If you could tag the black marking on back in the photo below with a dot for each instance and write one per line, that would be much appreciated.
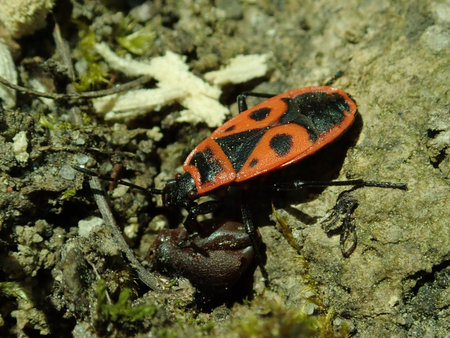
(259, 114)
(324, 110)
(253, 162)
(315, 111)
(230, 128)
(281, 144)
(208, 166)
(293, 114)
(238, 147)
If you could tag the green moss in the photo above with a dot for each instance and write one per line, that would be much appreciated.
(284, 228)
(273, 319)
(277, 321)
(96, 71)
(137, 42)
(69, 193)
(44, 121)
(51, 122)
(120, 314)
(86, 118)
(208, 327)
(165, 333)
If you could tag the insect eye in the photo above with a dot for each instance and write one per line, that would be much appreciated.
(177, 176)
(192, 195)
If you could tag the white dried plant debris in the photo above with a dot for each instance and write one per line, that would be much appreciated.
(9, 73)
(24, 17)
(213, 113)
(169, 70)
(203, 109)
(20, 146)
(172, 70)
(135, 102)
(125, 65)
(175, 83)
(241, 68)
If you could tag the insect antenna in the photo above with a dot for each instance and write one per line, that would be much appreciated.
(151, 191)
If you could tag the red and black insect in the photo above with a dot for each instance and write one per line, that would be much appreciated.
(274, 134)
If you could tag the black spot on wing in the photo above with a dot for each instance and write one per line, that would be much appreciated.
(238, 147)
(208, 166)
(230, 128)
(315, 111)
(293, 114)
(281, 144)
(259, 114)
(324, 110)
(253, 162)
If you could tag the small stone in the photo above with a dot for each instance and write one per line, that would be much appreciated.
(67, 172)
(86, 226)
(20, 146)
(82, 159)
(393, 301)
(132, 229)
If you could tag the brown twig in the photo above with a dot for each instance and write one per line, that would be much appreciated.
(146, 277)
(63, 47)
(99, 151)
(77, 96)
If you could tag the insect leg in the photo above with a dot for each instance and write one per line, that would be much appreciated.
(256, 243)
(294, 185)
(336, 76)
(339, 222)
(241, 99)
(191, 223)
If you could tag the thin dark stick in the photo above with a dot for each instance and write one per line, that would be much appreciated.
(63, 47)
(77, 96)
(146, 277)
